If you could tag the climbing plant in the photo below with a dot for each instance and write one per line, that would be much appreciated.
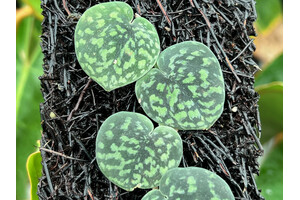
(113, 48)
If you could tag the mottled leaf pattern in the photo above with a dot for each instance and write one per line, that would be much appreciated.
(131, 154)
(186, 91)
(112, 48)
(154, 195)
(191, 183)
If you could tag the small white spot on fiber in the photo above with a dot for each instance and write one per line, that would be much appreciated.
(52, 115)
(234, 109)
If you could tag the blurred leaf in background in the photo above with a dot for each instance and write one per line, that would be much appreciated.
(269, 26)
(36, 7)
(270, 178)
(268, 12)
(271, 109)
(269, 85)
(272, 72)
(34, 170)
(28, 96)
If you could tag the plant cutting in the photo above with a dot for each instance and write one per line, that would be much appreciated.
(113, 48)
(132, 154)
(190, 183)
(186, 90)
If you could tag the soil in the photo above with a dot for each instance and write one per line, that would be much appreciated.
(74, 107)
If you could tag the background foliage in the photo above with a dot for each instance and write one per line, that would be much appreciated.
(28, 96)
(268, 84)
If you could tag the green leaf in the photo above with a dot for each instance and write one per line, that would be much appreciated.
(112, 48)
(28, 97)
(270, 179)
(272, 72)
(133, 155)
(154, 195)
(271, 109)
(267, 12)
(191, 183)
(34, 170)
(36, 6)
(186, 91)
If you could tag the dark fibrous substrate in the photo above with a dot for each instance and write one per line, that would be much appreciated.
(230, 148)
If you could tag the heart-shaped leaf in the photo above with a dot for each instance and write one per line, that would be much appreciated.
(131, 154)
(113, 49)
(191, 183)
(186, 91)
(154, 195)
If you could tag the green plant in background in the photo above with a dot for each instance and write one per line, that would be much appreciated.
(270, 178)
(191, 183)
(271, 73)
(132, 154)
(36, 8)
(266, 17)
(271, 109)
(34, 170)
(186, 90)
(28, 95)
(112, 48)
(270, 88)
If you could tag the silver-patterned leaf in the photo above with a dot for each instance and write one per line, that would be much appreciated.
(112, 48)
(187, 89)
(191, 183)
(131, 154)
(154, 195)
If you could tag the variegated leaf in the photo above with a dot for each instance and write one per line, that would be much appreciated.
(186, 91)
(131, 154)
(112, 48)
(154, 195)
(191, 183)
